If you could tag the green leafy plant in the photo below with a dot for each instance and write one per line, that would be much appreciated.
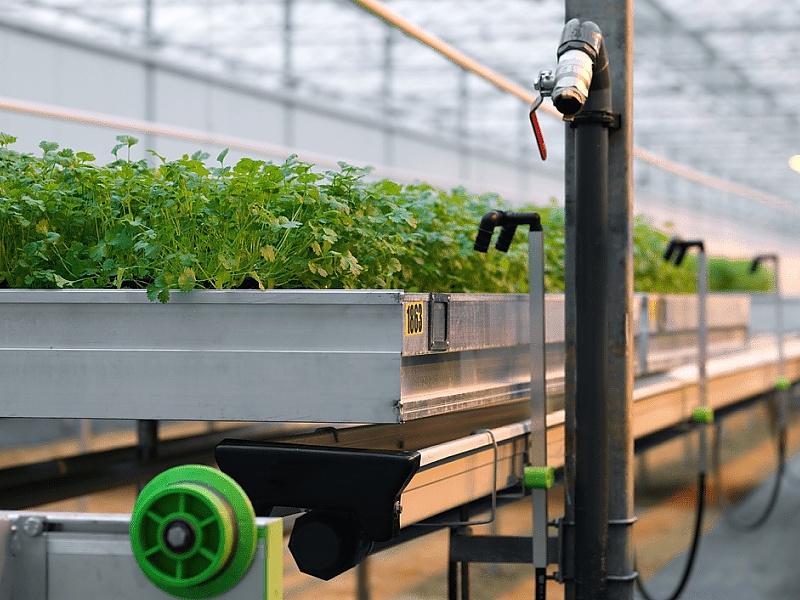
(725, 275)
(66, 222)
(651, 273)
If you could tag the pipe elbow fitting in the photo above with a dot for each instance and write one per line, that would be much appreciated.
(581, 58)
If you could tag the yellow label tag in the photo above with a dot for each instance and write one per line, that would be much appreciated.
(415, 322)
(652, 310)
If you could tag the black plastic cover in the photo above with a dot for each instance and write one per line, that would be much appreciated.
(367, 483)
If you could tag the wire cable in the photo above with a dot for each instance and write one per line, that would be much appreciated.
(727, 508)
(690, 560)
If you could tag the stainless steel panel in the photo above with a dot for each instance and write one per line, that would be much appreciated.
(249, 356)
(446, 382)
(309, 355)
(197, 385)
(679, 312)
(89, 556)
(476, 321)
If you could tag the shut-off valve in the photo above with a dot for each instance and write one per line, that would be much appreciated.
(582, 66)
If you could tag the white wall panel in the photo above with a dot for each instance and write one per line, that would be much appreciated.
(247, 116)
(325, 134)
(181, 101)
(426, 158)
(27, 67)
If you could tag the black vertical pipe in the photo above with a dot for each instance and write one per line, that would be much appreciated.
(591, 457)
(592, 340)
(570, 375)
(147, 434)
(452, 578)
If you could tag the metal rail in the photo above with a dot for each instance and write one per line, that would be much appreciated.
(662, 407)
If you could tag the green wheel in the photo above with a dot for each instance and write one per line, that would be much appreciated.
(193, 532)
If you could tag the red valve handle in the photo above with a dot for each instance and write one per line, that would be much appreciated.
(537, 131)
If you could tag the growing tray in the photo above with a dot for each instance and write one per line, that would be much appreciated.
(246, 355)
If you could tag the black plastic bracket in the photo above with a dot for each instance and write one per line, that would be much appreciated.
(508, 222)
(676, 249)
(352, 496)
(762, 258)
(367, 483)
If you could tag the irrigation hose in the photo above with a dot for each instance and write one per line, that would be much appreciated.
(698, 526)
(736, 524)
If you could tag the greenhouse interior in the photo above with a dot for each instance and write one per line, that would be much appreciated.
(412, 364)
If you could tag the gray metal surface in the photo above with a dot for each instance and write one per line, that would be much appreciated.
(617, 26)
(322, 356)
(459, 471)
(763, 318)
(302, 356)
(204, 356)
(87, 556)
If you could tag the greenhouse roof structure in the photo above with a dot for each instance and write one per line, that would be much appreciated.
(715, 89)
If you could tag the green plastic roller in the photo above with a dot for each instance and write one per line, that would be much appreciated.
(193, 532)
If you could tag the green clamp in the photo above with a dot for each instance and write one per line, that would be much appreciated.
(703, 414)
(539, 478)
(782, 383)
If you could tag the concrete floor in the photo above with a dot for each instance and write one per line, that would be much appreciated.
(735, 565)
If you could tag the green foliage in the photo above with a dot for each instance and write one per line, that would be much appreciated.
(651, 273)
(66, 222)
(726, 275)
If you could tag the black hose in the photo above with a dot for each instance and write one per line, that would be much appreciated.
(736, 524)
(698, 526)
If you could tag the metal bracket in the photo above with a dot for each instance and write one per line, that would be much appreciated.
(493, 509)
(498, 549)
(439, 322)
(610, 120)
(27, 560)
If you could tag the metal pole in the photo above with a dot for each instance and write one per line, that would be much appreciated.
(702, 353)
(462, 124)
(537, 450)
(147, 433)
(288, 71)
(149, 77)
(779, 324)
(702, 325)
(783, 388)
(644, 332)
(387, 95)
(362, 580)
(615, 19)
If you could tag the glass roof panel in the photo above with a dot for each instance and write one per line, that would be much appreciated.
(715, 87)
